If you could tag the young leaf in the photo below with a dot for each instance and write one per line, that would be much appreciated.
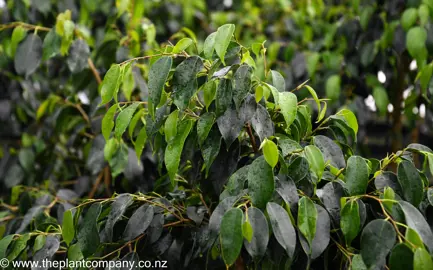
(282, 227)
(350, 119)
(158, 74)
(278, 81)
(110, 84)
(247, 231)
(260, 233)
(270, 151)
(356, 175)
(140, 142)
(315, 159)
(288, 103)
(415, 41)
(350, 221)
(18, 34)
(260, 182)
(28, 55)
(39, 242)
(422, 260)
(381, 99)
(170, 126)
(222, 39)
(68, 229)
(4, 244)
(209, 45)
(174, 149)
(333, 88)
(108, 122)
(408, 18)
(110, 148)
(410, 182)
(182, 45)
(123, 119)
(307, 218)
(377, 239)
(231, 235)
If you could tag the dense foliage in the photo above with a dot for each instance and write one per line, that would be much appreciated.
(201, 150)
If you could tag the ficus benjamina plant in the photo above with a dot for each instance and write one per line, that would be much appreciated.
(246, 175)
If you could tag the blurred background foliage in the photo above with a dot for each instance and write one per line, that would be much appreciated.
(373, 57)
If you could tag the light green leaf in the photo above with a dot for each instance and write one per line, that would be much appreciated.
(140, 142)
(122, 6)
(415, 41)
(316, 99)
(356, 175)
(422, 260)
(110, 84)
(170, 126)
(123, 119)
(260, 233)
(209, 45)
(247, 231)
(18, 35)
(110, 148)
(312, 61)
(222, 40)
(333, 87)
(350, 119)
(425, 77)
(307, 218)
(270, 152)
(408, 18)
(39, 242)
(315, 159)
(350, 221)
(18, 246)
(423, 13)
(381, 99)
(68, 229)
(278, 81)
(108, 122)
(182, 45)
(288, 103)
(4, 244)
(231, 235)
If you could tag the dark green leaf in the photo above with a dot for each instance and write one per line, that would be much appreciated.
(51, 46)
(88, 235)
(231, 235)
(241, 84)
(307, 218)
(4, 243)
(260, 237)
(77, 57)
(350, 221)
(282, 227)
(356, 175)
(118, 207)
(230, 126)
(211, 148)
(185, 81)
(331, 151)
(52, 244)
(377, 239)
(204, 126)
(262, 123)
(410, 182)
(18, 246)
(289, 146)
(139, 222)
(223, 97)
(401, 257)
(260, 182)
(28, 55)
(158, 74)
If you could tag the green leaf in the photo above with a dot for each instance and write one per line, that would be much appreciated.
(416, 221)
(204, 126)
(278, 81)
(108, 122)
(231, 235)
(110, 148)
(350, 119)
(222, 39)
(312, 61)
(332, 153)
(282, 227)
(422, 260)
(415, 41)
(262, 123)
(425, 77)
(134, 121)
(316, 99)
(18, 35)
(356, 175)
(128, 83)
(209, 45)
(315, 159)
(350, 221)
(140, 142)
(88, 234)
(288, 145)
(381, 99)
(158, 75)
(270, 152)
(358, 263)
(122, 6)
(423, 13)
(408, 18)
(241, 84)
(377, 239)
(118, 208)
(223, 97)
(288, 103)
(230, 125)
(260, 182)
(39, 242)
(260, 233)
(307, 218)
(209, 92)
(78, 54)
(138, 222)
(170, 126)
(4, 244)
(51, 45)
(28, 55)
(410, 182)
(182, 45)
(247, 231)
(401, 257)
(414, 238)
(74, 253)
(68, 229)
(210, 148)
(173, 150)
(18, 246)
(333, 87)
(110, 84)
(123, 119)
(185, 81)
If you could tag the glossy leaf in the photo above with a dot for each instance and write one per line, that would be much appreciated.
(108, 122)
(401, 257)
(158, 74)
(138, 222)
(241, 84)
(315, 159)
(260, 233)
(110, 84)
(356, 175)
(410, 182)
(422, 260)
(123, 119)
(185, 81)
(350, 221)
(68, 229)
(88, 235)
(288, 103)
(222, 40)
(270, 152)
(260, 182)
(307, 218)
(231, 235)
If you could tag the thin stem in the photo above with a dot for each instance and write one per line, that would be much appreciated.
(253, 140)
(94, 70)
(24, 25)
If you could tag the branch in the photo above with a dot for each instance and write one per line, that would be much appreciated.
(253, 140)
(94, 70)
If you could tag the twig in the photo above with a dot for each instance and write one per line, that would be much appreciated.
(96, 185)
(253, 140)
(150, 56)
(204, 203)
(107, 180)
(24, 25)
(94, 70)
